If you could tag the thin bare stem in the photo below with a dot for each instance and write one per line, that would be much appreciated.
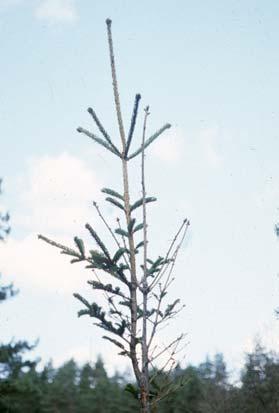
(122, 236)
(184, 226)
(155, 325)
(168, 281)
(144, 346)
(173, 343)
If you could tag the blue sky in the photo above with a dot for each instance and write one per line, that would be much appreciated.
(210, 69)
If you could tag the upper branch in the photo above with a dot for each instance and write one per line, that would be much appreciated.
(102, 129)
(133, 124)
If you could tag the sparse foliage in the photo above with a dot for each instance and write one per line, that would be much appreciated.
(137, 294)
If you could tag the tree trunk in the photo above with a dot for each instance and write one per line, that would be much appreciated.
(144, 400)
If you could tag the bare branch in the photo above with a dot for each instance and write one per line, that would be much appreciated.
(184, 226)
(169, 346)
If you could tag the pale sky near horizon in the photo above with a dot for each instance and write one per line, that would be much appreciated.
(208, 68)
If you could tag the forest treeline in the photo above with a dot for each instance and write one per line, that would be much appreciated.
(206, 388)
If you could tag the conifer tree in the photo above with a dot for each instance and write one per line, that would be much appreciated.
(13, 363)
(5, 290)
(136, 295)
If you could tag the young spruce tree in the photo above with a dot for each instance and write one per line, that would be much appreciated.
(139, 282)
